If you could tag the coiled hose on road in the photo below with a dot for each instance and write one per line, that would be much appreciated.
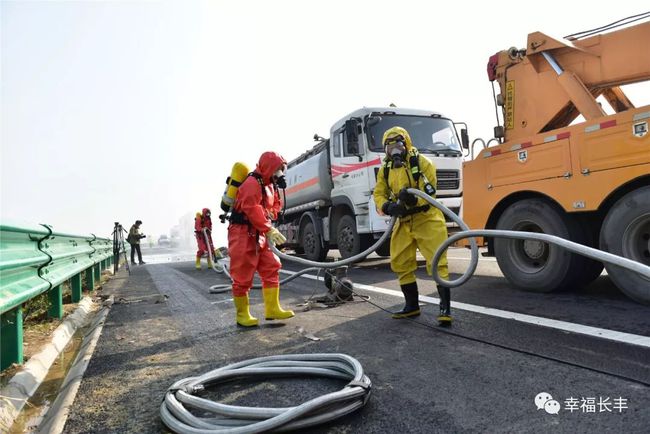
(240, 419)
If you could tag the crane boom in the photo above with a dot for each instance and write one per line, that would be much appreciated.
(551, 82)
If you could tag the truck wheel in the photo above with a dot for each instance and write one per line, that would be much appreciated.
(592, 268)
(347, 238)
(626, 232)
(532, 265)
(310, 243)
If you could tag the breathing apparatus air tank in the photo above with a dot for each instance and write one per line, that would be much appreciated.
(237, 176)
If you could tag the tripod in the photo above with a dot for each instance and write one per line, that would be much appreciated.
(119, 247)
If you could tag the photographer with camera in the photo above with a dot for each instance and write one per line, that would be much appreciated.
(134, 240)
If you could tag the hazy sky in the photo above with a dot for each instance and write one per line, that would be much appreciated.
(113, 111)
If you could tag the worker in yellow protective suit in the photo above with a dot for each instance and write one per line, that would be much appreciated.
(419, 225)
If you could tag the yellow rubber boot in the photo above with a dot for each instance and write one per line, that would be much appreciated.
(209, 262)
(198, 262)
(244, 317)
(272, 309)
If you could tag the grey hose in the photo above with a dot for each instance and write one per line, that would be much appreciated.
(313, 265)
(336, 264)
(239, 419)
(236, 419)
(215, 265)
(227, 287)
(466, 232)
(580, 249)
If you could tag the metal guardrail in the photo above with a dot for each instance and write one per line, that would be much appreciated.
(35, 260)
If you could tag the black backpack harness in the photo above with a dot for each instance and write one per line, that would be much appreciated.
(414, 162)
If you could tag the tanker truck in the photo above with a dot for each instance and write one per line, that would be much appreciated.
(329, 200)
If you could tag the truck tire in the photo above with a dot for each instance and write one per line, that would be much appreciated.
(347, 237)
(626, 232)
(592, 269)
(536, 266)
(310, 243)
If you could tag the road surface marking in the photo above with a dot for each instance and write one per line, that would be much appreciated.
(627, 338)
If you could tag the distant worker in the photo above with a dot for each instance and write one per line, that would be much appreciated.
(257, 204)
(204, 221)
(134, 240)
(419, 225)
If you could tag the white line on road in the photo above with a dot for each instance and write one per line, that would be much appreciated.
(627, 338)
(460, 258)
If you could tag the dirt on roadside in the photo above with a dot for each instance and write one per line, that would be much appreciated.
(38, 330)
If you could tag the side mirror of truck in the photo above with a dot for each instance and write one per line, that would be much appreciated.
(464, 138)
(373, 120)
(351, 131)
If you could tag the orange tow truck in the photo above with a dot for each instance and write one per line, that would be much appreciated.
(586, 181)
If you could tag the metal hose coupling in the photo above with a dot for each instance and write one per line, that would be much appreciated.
(179, 398)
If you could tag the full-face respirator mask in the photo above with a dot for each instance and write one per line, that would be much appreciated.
(396, 151)
(279, 179)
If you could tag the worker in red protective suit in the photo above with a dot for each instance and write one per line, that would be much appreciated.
(203, 221)
(257, 203)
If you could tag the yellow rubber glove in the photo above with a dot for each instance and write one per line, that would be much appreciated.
(275, 236)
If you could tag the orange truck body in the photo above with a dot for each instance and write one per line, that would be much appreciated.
(578, 166)
(581, 172)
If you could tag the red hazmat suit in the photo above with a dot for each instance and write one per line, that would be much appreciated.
(203, 221)
(247, 244)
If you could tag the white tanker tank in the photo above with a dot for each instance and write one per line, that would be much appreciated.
(309, 178)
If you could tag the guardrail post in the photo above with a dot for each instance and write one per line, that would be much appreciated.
(75, 285)
(56, 302)
(98, 272)
(90, 278)
(11, 338)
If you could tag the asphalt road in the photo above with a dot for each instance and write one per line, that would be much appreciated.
(482, 375)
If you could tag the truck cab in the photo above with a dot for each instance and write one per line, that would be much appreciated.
(329, 202)
(357, 152)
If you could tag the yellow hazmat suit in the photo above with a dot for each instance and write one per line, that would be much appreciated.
(425, 230)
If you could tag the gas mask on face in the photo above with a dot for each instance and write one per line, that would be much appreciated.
(278, 178)
(397, 153)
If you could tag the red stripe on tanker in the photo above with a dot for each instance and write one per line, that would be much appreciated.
(302, 185)
(346, 168)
